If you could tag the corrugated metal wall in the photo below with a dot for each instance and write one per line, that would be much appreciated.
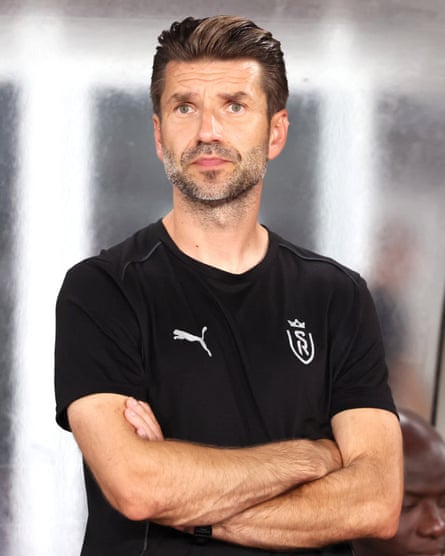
(362, 180)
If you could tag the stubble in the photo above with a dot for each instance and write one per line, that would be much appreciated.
(211, 189)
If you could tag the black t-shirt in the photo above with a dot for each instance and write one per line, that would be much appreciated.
(223, 359)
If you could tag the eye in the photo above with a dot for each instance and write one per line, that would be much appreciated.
(235, 107)
(409, 503)
(184, 109)
(409, 507)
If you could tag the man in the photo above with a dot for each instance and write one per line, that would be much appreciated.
(227, 389)
(422, 522)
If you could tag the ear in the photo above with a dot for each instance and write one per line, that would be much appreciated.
(158, 136)
(279, 125)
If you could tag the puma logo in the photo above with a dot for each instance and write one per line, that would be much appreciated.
(182, 335)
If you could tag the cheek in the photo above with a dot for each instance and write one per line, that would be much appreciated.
(407, 532)
(247, 133)
(180, 144)
(170, 149)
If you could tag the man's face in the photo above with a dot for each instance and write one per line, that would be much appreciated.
(214, 136)
(422, 522)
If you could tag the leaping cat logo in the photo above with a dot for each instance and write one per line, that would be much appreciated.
(182, 335)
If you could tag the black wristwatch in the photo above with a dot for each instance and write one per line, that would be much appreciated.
(202, 534)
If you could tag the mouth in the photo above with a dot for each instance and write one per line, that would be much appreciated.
(210, 162)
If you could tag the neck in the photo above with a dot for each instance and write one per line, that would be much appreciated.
(226, 237)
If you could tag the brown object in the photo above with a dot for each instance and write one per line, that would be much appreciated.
(422, 521)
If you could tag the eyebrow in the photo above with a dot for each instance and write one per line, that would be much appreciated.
(237, 96)
(180, 97)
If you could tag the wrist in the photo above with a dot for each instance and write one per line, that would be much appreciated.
(202, 534)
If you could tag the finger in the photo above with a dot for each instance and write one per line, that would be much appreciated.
(137, 417)
(143, 428)
(142, 417)
(144, 414)
(151, 417)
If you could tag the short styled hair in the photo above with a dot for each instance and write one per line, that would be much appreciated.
(222, 38)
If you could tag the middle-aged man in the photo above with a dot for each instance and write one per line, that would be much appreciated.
(227, 389)
(422, 523)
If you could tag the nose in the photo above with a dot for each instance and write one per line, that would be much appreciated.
(432, 523)
(210, 129)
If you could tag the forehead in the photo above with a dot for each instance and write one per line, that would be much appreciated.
(425, 471)
(240, 75)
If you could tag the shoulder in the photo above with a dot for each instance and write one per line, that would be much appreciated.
(324, 282)
(313, 266)
(112, 263)
(97, 280)
(135, 249)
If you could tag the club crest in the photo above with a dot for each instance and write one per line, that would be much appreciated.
(300, 341)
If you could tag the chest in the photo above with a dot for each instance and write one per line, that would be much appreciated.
(237, 363)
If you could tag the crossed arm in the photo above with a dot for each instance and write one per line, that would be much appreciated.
(361, 499)
(284, 495)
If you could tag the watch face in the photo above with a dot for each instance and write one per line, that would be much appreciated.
(202, 533)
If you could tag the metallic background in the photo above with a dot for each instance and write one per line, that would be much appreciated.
(362, 180)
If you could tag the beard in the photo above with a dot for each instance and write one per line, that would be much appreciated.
(211, 189)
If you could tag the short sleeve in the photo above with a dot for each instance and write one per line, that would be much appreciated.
(360, 371)
(98, 339)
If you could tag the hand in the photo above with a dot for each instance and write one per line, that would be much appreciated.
(141, 417)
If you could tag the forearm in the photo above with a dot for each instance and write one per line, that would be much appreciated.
(361, 499)
(178, 483)
(325, 511)
(186, 484)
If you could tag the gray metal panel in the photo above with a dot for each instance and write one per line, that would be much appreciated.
(8, 146)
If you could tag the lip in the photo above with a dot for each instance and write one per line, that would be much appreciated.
(210, 162)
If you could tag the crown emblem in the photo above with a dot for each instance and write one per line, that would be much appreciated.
(301, 342)
(296, 324)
